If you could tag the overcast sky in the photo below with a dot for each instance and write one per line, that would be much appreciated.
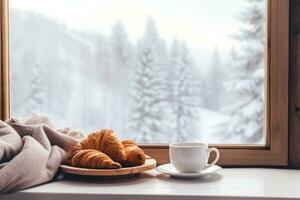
(203, 24)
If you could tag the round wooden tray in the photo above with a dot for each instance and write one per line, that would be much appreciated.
(149, 164)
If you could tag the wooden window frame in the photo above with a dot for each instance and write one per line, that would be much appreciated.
(294, 89)
(275, 152)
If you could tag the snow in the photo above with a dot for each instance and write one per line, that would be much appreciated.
(209, 121)
(144, 89)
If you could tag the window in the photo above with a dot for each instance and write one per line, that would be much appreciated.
(153, 74)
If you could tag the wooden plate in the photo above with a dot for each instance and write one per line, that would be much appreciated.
(149, 164)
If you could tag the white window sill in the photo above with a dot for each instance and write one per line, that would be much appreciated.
(235, 183)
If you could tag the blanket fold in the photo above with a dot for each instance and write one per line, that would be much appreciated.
(33, 150)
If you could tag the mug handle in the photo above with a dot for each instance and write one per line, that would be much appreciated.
(217, 156)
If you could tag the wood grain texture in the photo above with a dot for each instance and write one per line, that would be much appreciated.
(278, 52)
(5, 94)
(294, 108)
(149, 164)
(232, 157)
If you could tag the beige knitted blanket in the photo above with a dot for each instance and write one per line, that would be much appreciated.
(31, 152)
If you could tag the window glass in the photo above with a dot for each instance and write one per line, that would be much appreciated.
(154, 71)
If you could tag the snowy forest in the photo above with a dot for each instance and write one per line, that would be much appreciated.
(147, 90)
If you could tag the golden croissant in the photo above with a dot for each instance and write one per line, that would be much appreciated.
(90, 158)
(134, 155)
(104, 141)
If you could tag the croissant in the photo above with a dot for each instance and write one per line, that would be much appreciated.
(86, 143)
(104, 141)
(90, 158)
(134, 155)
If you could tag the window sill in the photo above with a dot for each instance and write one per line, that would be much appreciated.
(237, 183)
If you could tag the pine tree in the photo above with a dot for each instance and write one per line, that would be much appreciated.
(247, 78)
(121, 64)
(215, 80)
(121, 57)
(186, 98)
(147, 121)
(103, 60)
(36, 90)
(120, 44)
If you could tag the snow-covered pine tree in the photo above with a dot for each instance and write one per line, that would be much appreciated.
(121, 56)
(215, 80)
(121, 65)
(147, 121)
(186, 89)
(121, 48)
(102, 57)
(36, 99)
(247, 78)
(233, 62)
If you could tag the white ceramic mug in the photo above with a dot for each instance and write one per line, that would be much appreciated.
(191, 157)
